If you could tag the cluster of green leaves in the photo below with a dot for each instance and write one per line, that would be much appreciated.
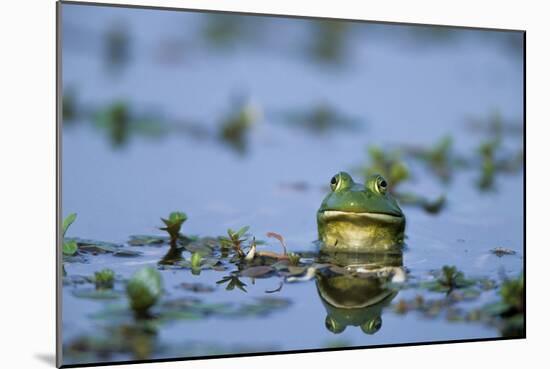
(491, 164)
(511, 308)
(512, 293)
(173, 225)
(104, 279)
(232, 282)
(507, 315)
(491, 153)
(120, 122)
(440, 158)
(144, 289)
(235, 240)
(449, 278)
(293, 258)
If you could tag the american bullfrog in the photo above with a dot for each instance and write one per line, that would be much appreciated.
(360, 218)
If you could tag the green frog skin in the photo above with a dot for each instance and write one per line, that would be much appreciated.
(360, 218)
(352, 301)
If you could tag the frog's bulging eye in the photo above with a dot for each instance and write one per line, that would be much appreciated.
(333, 326)
(333, 183)
(372, 326)
(381, 185)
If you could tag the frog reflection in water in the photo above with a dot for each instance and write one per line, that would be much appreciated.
(358, 298)
(360, 218)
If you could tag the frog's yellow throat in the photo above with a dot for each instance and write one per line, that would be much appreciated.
(360, 232)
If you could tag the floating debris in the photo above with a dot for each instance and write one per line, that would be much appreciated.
(310, 274)
(501, 251)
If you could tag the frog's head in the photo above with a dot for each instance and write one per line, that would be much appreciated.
(357, 217)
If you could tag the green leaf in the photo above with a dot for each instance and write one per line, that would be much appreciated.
(70, 247)
(242, 231)
(144, 289)
(177, 216)
(68, 221)
(196, 259)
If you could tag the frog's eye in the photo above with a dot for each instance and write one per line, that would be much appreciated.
(334, 182)
(333, 326)
(372, 326)
(381, 185)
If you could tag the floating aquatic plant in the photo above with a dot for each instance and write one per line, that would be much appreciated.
(320, 119)
(235, 240)
(431, 206)
(234, 128)
(144, 289)
(173, 225)
(512, 293)
(448, 279)
(389, 164)
(104, 279)
(293, 258)
(196, 259)
(512, 307)
(488, 166)
(119, 121)
(329, 41)
(439, 158)
(70, 247)
(232, 282)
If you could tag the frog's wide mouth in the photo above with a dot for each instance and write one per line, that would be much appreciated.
(385, 217)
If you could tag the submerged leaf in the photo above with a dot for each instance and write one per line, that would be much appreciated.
(127, 253)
